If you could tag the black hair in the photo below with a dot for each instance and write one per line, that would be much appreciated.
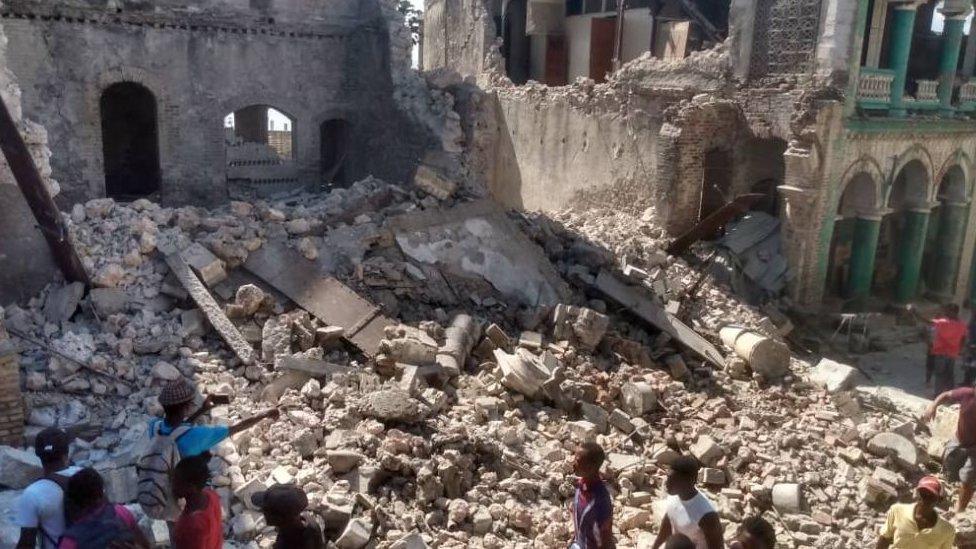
(760, 529)
(175, 409)
(952, 310)
(686, 466)
(593, 454)
(193, 470)
(679, 541)
(85, 489)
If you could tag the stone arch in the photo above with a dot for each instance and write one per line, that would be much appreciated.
(911, 186)
(258, 158)
(919, 154)
(129, 120)
(867, 167)
(959, 167)
(335, 143)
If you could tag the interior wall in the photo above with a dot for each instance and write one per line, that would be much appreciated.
(637, 38)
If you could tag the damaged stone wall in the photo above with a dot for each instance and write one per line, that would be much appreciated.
(458, 35)
(25, 264)
(200, 65)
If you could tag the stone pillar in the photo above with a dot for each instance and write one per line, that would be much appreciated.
(864, 247)
(949, 240)
(911, 248)
(949, 61)
(11, 403)
(902, 28)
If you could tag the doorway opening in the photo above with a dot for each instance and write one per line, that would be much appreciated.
(130, 141)
(333, 151)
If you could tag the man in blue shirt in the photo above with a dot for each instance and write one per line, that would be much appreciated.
(176, 399)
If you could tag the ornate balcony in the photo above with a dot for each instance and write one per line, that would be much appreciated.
(928, 90)
(874, 87)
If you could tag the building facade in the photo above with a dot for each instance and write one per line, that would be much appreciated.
(134, 94)
(853, 117)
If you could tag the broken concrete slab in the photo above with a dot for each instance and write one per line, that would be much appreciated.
(210, 308)
(313, 367)
(634, 299)
(324, 297)
(108, 301)
(478, 239)
(902, 450)
(391, 405)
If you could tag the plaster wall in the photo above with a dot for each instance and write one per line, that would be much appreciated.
(198, 72)
(550, 154)
(636, 40)
(457, 35)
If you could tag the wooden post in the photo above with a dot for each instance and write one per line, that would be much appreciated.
(41, 204)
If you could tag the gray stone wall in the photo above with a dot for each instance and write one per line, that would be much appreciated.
(457, 34)
(201, 66)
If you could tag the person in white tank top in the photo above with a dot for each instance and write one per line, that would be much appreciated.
(688, 511)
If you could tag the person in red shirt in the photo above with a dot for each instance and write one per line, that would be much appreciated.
(199, 525)
(959, 459)
(947, 339)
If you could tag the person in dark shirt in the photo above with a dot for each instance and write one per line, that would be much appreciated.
(754, 533)
(959, 460)
(199, 525)
(592, 506)
(283, 506)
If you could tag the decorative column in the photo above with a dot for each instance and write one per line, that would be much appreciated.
(955, 20)
(902, 28)
(948, 251)
(911, 248)
(864, 247)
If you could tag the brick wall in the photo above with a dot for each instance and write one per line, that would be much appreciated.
(11, 402)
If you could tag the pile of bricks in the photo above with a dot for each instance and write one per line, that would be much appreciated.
(11, 403)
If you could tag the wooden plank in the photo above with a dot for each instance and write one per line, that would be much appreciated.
(711, 224)
(210, 308)
(324, 297)
(634, 299)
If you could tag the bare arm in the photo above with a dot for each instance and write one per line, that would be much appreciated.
(663, 534)
(939, 401)
(712, 528)
(28, 538)
(883, 543)
(252, 421)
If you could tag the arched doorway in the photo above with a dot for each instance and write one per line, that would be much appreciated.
(260, 148)
(515, 45)
(946, 233)
(333, 151)
(902, 235)
(130, 141)
(854, 241)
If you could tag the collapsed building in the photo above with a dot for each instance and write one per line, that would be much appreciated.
(852, 118)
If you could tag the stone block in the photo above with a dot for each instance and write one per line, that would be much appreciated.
(711, 477)
(498, 337)
(788, 498)
(108, 301)
(621, 421)
(834, 376)
(205, 264)
(343, 461)
(595, 415)
(582, 431)
(194, 323)
(898, 447)
(530, 340)
(18, 468)
(434, 183)
(62, 302)
(356, 535)
(638, 398)
(707, 450)
(482, 521)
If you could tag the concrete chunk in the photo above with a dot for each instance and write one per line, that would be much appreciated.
(208, 267)
(638, 398)
(108, 301)
(62, 302)
(707, 450)
(356, 535)
(892, 444)
(788, 498)
(834, 376)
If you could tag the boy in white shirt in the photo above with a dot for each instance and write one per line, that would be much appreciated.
(689, 512)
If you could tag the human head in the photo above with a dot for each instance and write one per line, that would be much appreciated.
(683, 475)
(282, 504)
(952, 310)
(929, 491)
(755, 533)
(176, 398)
(86, 490)
(588, 459)
(51, 446)
(191, 475)
(679, 541)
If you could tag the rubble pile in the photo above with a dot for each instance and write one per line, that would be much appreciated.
(458, 429)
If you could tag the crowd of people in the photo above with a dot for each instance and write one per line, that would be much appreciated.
(67, 507)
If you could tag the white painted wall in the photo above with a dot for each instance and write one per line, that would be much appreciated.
(637, 38)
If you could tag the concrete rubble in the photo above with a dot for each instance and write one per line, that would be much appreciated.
(459, 431)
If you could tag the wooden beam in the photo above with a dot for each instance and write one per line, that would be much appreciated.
(35, 192)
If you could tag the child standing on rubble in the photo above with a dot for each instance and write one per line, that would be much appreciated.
(592, 506)
(199, 525)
